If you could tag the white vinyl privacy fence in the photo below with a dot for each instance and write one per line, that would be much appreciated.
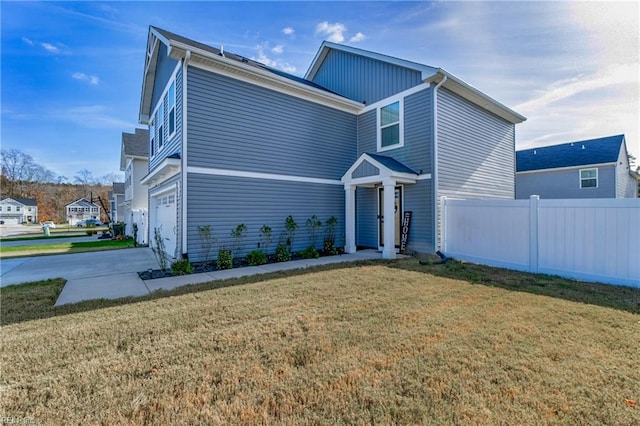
(591, 240)
(139, 217)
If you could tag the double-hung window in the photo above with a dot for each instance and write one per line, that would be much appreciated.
(152, 136)
(160, 123)
(390, 132)
(588, 178)
(172, 108)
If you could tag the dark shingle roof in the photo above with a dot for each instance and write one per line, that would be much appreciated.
(580, 153)
(172, 36)
(82, 202)
(118, 188)
(392, 163)
(136, 144)
(24, 201)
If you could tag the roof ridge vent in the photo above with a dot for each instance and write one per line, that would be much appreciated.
(582, 146)
(571, 143)
(534, 152)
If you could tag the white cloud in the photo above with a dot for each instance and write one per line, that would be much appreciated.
(263, 58)
(288, 31)
(278, 49)
(358, 37)
(92, 79)
(27, 41)
(50, 47)
(93, 116)
(334, 32)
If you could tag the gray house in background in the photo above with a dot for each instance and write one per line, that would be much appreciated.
(116, 202)
(134, 162)
(18, 210)
(594, 168)
(362, 137)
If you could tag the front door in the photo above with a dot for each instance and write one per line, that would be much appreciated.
(397, 199)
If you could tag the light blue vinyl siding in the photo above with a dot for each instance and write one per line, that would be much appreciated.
(476, 150)
(367, 217)
(418, 130)
(164, 69)
(365, 169)
(364, 79)
(225, 202)
(238, 126)
(558, 184)
(418, 198)
(174, 144)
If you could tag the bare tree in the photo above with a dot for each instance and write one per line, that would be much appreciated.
(23, 177)
(84, 178)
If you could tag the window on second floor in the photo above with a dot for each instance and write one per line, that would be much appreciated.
(17, 208)
(172, 108)
(390, 131)
(8, 208)
(160, 122)
(152, 137)
(588, 178)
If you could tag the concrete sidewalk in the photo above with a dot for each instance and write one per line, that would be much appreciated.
(129, 284)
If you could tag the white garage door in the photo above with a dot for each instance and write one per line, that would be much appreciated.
(11, 220)
(166, 221)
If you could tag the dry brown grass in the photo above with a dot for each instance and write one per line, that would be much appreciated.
(370, 344)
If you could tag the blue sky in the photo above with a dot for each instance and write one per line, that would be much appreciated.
(72, 71)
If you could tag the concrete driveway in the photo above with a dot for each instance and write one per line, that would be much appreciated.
(91, 265)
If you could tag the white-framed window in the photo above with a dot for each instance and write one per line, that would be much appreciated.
(588, 178)
(8, 208)
(160, 124)
(152, 137)
(172, 109)
(17, 208)
(390, 123)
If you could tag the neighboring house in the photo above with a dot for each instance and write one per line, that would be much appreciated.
(361, 137)
(18, 210)
(134, 162)
(594, 168)
(80, 210)
(116, 202)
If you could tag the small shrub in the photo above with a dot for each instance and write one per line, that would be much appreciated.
(265, 238)
(313, 224)
(310, 253)
(290, 226)
(238, 234)
(206, 241)
(256, 257)
(181, 267)
(159, 250)
(135, 234)
(329, 246)
(225, 259)
(282, 252)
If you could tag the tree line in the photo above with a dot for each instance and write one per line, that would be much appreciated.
(23, 177)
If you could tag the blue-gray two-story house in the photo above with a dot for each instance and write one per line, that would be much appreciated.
(362, 137)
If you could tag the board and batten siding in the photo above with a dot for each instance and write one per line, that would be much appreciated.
(560, 184)
(224, 202)
(239, 126)
(476, 151)
(171, 145)
(363, 79)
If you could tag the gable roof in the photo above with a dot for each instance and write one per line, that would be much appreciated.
(180, 47)
(32, 202)
(82, 202)
(391, 163)
(429, 75)
(571, 154)
(134, 145)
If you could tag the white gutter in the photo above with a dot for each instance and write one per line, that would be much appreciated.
(435, 174)
(183, 193)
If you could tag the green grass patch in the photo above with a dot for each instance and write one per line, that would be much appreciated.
(42, 237)
(68, 247)
(30, 301)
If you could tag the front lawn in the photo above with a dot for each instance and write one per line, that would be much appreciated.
(378, 342)
(59, 248)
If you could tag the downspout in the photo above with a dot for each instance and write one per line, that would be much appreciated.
(183, 195)
(436, 200)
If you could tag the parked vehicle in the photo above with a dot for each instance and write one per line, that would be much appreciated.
(49, 224)
(89, 222)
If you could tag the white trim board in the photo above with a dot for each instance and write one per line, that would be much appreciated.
(258, 175)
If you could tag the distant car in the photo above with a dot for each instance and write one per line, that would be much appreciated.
(49, 224)
(89, 222)
(1, 222)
